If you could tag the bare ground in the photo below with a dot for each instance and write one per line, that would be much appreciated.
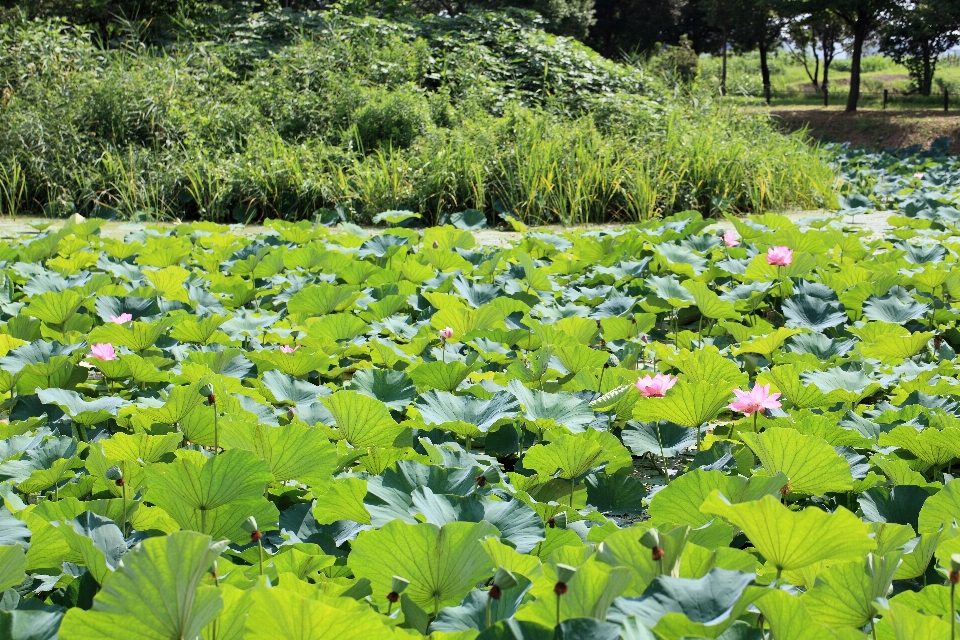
(873, 128)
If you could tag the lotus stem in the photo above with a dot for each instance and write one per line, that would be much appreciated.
(436, 605)
(755, 421)
(260, 549)
(953, 611)
(573, 482)
(123, 492)
(488, 610)
(216, 430)
(663, 458)
(558, 611)
(469, 442)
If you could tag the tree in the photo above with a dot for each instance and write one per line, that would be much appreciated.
(863, 18)
(723, 15)
(918, 35)
(633, 26)
(812, 31)
(758, 27)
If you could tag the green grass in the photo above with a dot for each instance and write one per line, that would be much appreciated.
(289, 115)
(792, 87)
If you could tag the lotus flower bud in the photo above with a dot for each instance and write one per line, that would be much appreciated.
(436, 245)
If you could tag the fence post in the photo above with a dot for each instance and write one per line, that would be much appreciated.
(946, 100)
(766, 93)
(884, 98)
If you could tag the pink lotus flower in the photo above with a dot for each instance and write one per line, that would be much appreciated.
(918, 176)
(730, 239)
(780, 256)
(757, 400)
(122, 318)
(288, 349)
(446, 333)
(103, 351)
(655, 387)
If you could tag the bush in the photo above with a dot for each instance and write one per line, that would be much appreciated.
(868, 64)
(283, 114)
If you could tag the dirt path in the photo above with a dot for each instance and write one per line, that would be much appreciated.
(873, 128)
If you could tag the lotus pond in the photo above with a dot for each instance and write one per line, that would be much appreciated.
(662, 431)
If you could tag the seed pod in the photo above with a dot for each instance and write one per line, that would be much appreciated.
(785, 490)
(954, 574)
(490, 474)
(249, 525)
(398, 584)
(480, 480)
(114, 473)
(650, 539)
(436, 245)
(503, 579)
(206, 390)
(565, 573)
(495, 592)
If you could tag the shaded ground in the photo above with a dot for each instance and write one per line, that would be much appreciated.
(873, 128)
(876, 223)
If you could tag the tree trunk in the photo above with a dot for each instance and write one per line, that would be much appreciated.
(765, 70)
(927, 87)
(859, 36)
(723, 69)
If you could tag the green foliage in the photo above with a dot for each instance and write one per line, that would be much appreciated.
(318, 459)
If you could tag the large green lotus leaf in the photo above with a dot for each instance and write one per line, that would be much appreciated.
(658, 438)
(767, 344)
(472, 612)
(844, 593)
(896, 348)
(670, 290)
(622, 548)
(901, 622)
(786, 379)
(894, 308)
(941, 510)
(680, 501)
(156, 593)
(689, 404)
(337, 327)
(442, 563)
(810, 312)
(286, 388)
(392, 388)
(561, 409)
(444, 376)
(82, 411)
(216, 496)
(465, 321)
(577, 358)
(54, 308)
(572, 455)
(321, 299)
(98, 540)
(140, 446)
(704, 365)
(299, 364)
(848, 385)
(682, 607)
(197, 331)
(361, 420)
(139, 336)
(931, 445)
(32, 621)
(709, 303)
(900, 504)
(789, 618)
(617, 493)
(516, 521)
(179, 402)
(13, 565)
(811, 465)
(280, 613)
(293, 451)
(592, 590)
(792, 540)
(341, 499)
(438, 407)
